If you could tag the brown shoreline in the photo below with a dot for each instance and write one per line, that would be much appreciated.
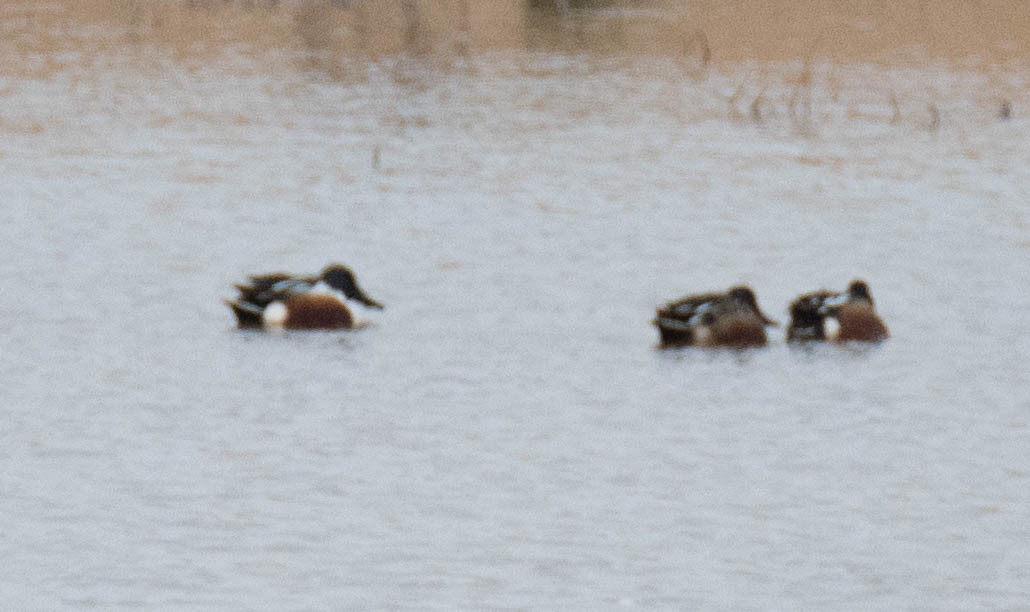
(986, 33)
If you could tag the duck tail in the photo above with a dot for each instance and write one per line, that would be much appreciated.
(247, 315)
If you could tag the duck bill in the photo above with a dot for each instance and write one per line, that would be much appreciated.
(367, 301)
(767, 320)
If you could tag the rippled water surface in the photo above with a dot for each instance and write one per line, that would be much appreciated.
(506, 434)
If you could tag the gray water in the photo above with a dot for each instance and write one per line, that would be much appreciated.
(506, 435)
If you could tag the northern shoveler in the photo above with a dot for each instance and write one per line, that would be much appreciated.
(838, 317)
(730, 319)
(331, 300)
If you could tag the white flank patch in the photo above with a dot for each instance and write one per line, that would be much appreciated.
(358, 312)
(702, 335)
(831, 328)
(275, 314)
(320, 288)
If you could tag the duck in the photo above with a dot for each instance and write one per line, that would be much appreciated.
(836, 317)
(331, 300)
(730, 319)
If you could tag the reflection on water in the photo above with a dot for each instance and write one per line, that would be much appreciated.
(506, 435)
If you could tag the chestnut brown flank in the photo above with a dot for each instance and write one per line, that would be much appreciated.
(738, 330)
(307, 311)
(859, 322)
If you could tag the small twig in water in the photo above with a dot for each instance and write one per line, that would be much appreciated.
(704, 49)
(801, 97)
(756, 107)
(732, 101)
(935, 117)
(1005, 112)
(896, 117)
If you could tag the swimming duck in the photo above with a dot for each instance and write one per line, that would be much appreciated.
(730, 319)
(838, 317)
(331, 300)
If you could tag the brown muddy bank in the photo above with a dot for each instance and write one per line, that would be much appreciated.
(980, 33)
